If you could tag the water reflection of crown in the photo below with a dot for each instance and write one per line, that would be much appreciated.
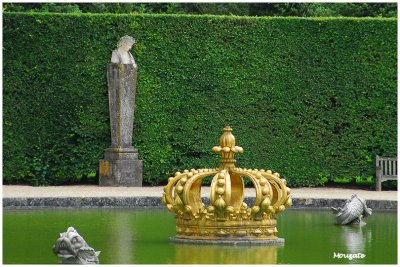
(228, 217)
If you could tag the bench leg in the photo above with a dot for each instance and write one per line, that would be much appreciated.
(378, 185)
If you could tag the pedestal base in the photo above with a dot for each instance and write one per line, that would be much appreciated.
(121, 167)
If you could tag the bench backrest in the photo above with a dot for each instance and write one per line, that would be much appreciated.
(388, 166)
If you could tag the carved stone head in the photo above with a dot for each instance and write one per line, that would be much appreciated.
(71, 248)
(121, 55)
(126, 41)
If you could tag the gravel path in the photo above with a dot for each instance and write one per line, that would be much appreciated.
(22, 191)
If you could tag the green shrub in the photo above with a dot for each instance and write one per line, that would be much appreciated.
(365, 180)
(323, 179)
(304, 96)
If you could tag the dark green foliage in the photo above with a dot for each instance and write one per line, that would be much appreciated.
(240, 9)
(309, 98)
(389, 185)
(42, 7)
(324, 9)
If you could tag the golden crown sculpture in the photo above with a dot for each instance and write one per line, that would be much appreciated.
(228, 217)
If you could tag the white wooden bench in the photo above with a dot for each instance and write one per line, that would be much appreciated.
(386, 169)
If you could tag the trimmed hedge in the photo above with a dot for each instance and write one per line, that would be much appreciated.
(309, 98)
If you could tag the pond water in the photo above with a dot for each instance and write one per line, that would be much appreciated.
(132, 236)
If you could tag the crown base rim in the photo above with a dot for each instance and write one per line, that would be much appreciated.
(228, 230)
(277, 241)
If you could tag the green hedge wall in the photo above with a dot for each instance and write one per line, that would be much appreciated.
(309, 98)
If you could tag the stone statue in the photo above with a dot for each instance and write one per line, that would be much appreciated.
(71, 248)
(353, 211)
(121, 55)
(121, 165)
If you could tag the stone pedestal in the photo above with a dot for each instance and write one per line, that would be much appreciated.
(121, 166)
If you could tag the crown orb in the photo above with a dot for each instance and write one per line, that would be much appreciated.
(266, 203)
(217, 149)
(228, 218)
(220, 191)
(230, 209)
(264, 191)
(289, 202)
(255, 209)
(226, 149)
(262, 181)
(211, 209)
(179, 189)
(188, 208)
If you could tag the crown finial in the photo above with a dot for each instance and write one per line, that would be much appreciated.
(227, 149)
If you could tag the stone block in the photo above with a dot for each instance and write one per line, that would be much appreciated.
(125, 172)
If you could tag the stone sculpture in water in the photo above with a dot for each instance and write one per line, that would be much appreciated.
(71, 248)
(353, 211)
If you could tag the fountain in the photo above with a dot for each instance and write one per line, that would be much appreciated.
(228, 220)
(354, 210)
(71, 248)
